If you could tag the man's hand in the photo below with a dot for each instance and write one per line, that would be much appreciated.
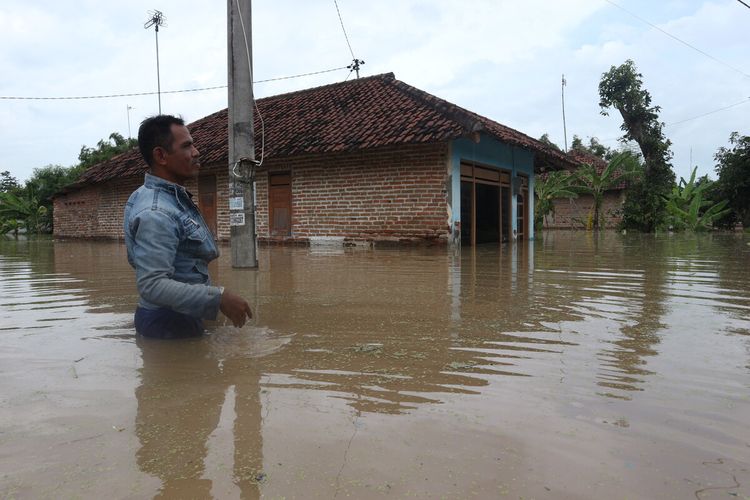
(235, 308)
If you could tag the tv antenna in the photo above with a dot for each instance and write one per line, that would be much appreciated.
(565, 127)
(157, 19)
(129, 107)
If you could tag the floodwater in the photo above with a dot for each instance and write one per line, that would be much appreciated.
(568, 367)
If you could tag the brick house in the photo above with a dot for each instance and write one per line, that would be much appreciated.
(372, 160)
(575, 213)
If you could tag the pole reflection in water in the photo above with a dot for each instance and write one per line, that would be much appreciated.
(183, 390)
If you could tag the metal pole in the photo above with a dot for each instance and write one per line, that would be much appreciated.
(565, 127)
(129, 108)
(241, 140)
(158, 80)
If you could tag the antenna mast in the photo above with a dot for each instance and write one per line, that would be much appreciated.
(565, 128)
(157, 19)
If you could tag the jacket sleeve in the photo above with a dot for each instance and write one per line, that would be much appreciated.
(156, 237)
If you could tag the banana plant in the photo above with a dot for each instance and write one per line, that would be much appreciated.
(589, 181)
(28, 210)
(557, 184)
(687, 208)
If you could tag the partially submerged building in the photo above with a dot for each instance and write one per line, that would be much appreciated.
(577, 213)
(372, 160)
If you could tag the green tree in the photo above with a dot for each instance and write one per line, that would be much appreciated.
(589, 180)
(733, 168)
(688, 209)
(31, 205)
(555, 185)
(544, 139)
(8, 183)
(48, 180)
(104, 150)
(621, 88)
(594, 147)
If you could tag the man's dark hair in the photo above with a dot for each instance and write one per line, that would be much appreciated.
(156, 131)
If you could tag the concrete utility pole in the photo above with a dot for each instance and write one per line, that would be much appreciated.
(241, 140)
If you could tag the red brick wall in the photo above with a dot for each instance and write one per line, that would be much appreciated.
(387, 194)
(574, 213)
(391, 194)
(93, 212)
(97, 211)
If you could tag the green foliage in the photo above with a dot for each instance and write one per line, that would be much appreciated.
(10, 225)
(104, 150)
(621, 88)
(8, 183)
(48, 180)
(30, 206)
(546, 140)
(589, 181)
(17, 211)
(594, 147)
(689, 210)
(733, 168)
(556, 185)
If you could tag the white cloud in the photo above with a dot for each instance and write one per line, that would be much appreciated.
(502, 59)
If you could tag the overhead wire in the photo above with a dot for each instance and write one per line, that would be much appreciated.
(745, 101)
(255, 102)
(341, 20)
(679, 40)
(355, 62)
(138, 94)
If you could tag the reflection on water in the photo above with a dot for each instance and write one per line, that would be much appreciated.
(183, 390)
(638, 343)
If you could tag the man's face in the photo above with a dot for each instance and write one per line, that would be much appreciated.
(181, 162)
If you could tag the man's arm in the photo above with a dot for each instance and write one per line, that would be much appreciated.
(156, 238)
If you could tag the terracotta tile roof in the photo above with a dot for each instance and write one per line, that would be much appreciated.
(581, 157)
(364, 113)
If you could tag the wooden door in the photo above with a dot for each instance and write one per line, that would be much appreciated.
(207, 201)
(280, 204)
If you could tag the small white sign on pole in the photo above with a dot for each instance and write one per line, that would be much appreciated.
(236, 203)
(237, 219)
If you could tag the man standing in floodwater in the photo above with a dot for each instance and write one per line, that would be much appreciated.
(169, 243)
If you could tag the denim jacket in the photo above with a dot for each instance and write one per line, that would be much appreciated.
(170, 246)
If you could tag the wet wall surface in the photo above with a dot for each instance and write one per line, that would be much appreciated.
(568, 367)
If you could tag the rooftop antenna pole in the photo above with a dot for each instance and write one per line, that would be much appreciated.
(242, 162)
(157, 19)
(129, 107)
(354, 66)
(565, 128)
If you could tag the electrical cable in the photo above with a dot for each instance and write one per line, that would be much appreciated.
(344, 29)
(255, 102)
(617, 139)
(679, 40)
(138, 94)
(743, 3)
(709, 113)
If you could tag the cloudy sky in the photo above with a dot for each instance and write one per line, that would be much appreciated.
(500, 58)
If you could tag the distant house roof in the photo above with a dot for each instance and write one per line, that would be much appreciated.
(581, 157)
(363, 113)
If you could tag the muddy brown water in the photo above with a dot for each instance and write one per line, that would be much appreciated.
(568, 367)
